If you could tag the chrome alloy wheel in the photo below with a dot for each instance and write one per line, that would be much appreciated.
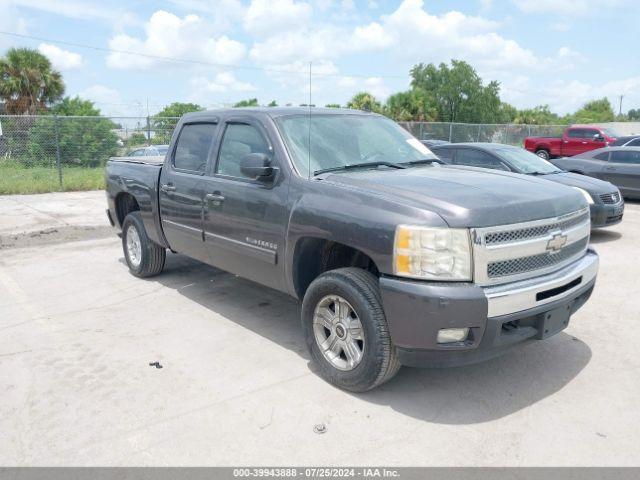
(134, 246)
(338, 332)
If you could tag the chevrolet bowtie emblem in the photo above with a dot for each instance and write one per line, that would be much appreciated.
(556, 242)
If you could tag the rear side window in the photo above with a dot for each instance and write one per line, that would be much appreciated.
(239, 140)
(446, 153)
(194, 144)
(626, 156)
(576, 133)
(604, 156)
(476, 158)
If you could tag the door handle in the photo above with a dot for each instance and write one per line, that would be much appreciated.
(566, 141)
(167, 187)
(584, 143)
(215, 198)
(610, 168)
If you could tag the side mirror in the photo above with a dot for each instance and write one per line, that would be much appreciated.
(256, 165)
(598, 138)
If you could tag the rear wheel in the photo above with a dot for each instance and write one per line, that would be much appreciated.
(346, 330)
(144, 257)
(543, 154)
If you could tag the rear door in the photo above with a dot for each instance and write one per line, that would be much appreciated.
(181, 189)
(623, 170)
(245, 218)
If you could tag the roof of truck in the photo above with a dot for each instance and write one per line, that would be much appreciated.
(280, 111)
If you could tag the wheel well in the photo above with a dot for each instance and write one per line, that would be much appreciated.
(125, 204)
(314, 256)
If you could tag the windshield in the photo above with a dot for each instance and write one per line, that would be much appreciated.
(340, 140)
(525, 162)
(610, 133)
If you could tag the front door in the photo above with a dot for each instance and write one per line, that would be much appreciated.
(245, 218)
(181, 189)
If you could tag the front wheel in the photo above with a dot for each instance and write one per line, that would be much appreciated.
(144, 258)
(346, 330)
(543, 154)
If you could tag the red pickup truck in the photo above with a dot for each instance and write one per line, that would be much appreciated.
(574, 140)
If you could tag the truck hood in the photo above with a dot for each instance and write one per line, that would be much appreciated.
(467, 196)
(592, 185)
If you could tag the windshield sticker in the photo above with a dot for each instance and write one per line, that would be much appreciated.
(417, 144)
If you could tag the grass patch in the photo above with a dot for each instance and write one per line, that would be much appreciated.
(17, 179)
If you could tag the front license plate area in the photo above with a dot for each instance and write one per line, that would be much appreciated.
(553, 322)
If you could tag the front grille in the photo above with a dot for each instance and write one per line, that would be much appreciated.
(509, 236)
(535, 262)
(610, 198)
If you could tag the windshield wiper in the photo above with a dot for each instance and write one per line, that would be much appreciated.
(358, 165)
(423, 161)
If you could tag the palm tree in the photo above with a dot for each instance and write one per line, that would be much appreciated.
(28, 83)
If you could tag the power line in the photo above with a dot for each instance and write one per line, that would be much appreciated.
(194, 61)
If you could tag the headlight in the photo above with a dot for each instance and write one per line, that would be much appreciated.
(432, 253)
(586, 195)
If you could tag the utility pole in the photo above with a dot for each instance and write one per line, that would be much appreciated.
(620, 109)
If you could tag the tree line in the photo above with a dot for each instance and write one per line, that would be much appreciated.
(454, 92)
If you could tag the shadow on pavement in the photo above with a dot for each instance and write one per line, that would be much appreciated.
(463, 395)
(604, 236)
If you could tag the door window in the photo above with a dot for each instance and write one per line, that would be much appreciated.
(576, 133)
(194, 145)
(476, 158)
(239, 140)
(591, 133)
(634, 143)
(626, 156)
(604, 156)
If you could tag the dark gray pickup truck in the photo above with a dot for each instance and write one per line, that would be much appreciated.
(398, 260)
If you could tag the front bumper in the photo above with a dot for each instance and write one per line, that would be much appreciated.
(499, 317)
(604, 215)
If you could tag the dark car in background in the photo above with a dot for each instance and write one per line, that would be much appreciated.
(433, 142)
(618, 165)
(626, 141)
(605, 201)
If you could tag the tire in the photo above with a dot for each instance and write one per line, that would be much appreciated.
(543, 154)
(359, 289)
(150, 257)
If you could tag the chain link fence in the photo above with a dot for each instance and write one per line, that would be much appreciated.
(48, 153)
(511, 134)
(57, 153)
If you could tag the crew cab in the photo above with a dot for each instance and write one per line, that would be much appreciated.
(574, 140)
(397, 259)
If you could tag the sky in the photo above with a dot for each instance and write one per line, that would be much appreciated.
(132, 56)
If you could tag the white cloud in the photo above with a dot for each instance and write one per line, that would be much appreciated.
(268, 16)
(168, 35)
(566, 96)
(77, 9)
(10, 21)
(222, 82)
(573, 8)
(61, 59)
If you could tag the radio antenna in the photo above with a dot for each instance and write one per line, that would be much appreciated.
(309, 107)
